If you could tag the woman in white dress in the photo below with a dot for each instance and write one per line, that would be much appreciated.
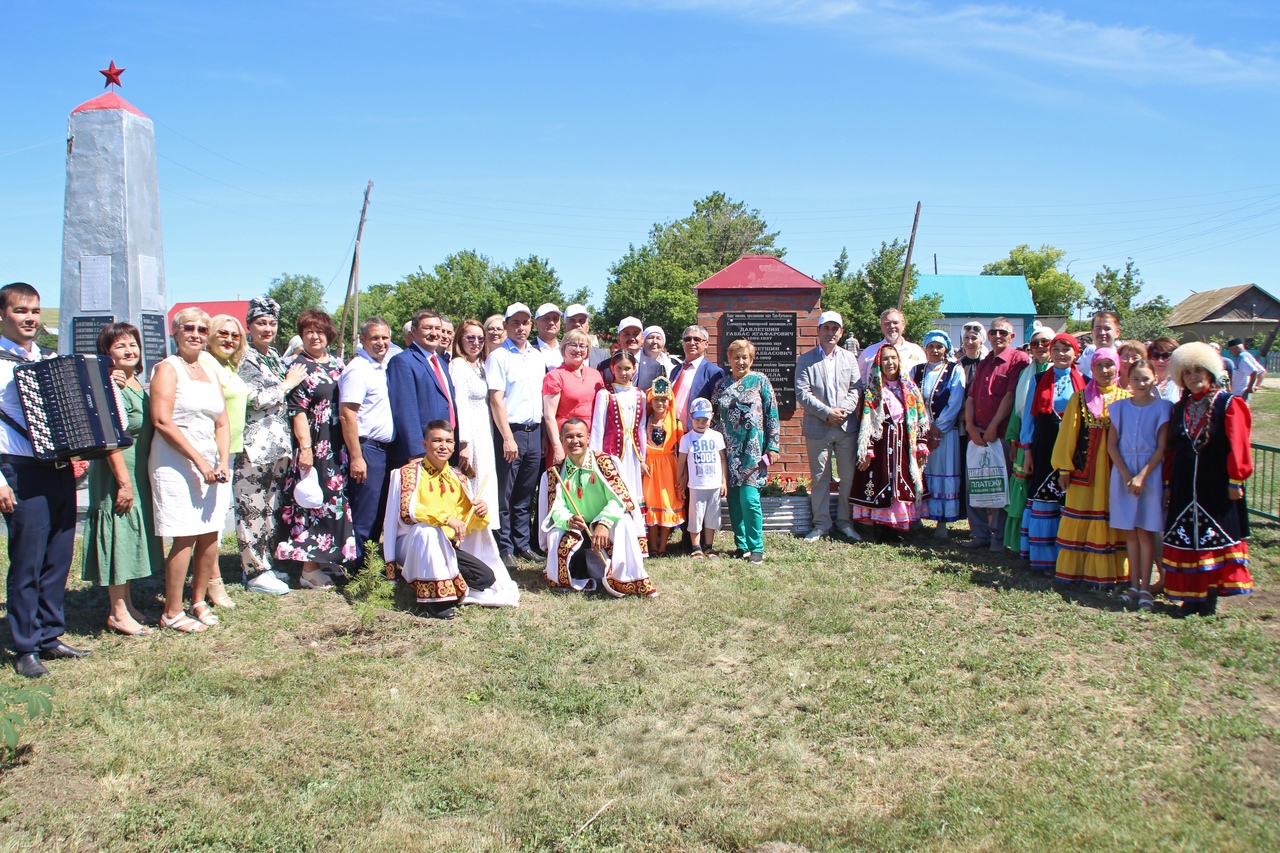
(475, 424)
(190, 469)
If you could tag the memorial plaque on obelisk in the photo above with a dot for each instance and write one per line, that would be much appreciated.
(112, 252)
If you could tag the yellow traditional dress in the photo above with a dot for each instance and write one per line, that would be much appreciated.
(1089, 549)
(417, 537)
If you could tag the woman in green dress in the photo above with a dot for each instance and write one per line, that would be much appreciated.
(120, 544)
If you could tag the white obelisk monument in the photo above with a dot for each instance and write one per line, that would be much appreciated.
(112, 253)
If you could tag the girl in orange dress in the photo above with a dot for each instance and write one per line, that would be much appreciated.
(664, 503)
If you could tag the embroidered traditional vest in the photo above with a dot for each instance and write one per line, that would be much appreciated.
(615, 437)
(941, 391)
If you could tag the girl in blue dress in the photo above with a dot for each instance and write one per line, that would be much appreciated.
(1136, 443)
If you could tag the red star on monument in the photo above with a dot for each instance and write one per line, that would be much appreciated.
(112, 74)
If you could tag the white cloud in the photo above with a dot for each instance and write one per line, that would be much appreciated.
(994, 35)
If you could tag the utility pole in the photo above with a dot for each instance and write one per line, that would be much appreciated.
(935, 263)
(906, 268)
(353, 287)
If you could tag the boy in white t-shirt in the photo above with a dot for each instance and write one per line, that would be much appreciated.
(702, 468)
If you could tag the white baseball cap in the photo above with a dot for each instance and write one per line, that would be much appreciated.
(831, 317)
(628, 322)
(546, 308)
(518, 308)
(576, 310)
(1042, 332)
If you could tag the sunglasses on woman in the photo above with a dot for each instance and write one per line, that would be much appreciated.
(192, 327)
(224, 335)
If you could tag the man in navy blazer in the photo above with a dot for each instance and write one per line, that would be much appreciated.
(697, 376)
(419, 389)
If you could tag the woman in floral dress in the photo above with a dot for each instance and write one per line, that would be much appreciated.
(320, 535)
(746, 415)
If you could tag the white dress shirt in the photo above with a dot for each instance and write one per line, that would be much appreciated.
(364, 383)
(13, 442)
(518, 374)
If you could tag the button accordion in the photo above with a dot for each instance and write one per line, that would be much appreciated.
(72, 408)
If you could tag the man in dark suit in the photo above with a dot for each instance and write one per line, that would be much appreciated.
(419, 389)
(38, 500)
(697, 376)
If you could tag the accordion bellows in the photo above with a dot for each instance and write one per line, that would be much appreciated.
(71, 407)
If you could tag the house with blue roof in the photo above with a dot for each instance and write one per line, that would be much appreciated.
(966, 298)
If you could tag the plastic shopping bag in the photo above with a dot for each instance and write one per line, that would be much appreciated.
(988, 479)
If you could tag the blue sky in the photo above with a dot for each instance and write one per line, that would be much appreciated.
(566, 129)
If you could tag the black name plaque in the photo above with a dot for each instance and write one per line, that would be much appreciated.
(774, 336)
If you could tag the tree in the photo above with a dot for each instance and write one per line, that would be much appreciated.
(295, 293)
(467, 284)
(655, 281)
(874, 287)
(1116, 290)
(1055, 291)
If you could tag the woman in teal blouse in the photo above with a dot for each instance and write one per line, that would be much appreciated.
(746, 414)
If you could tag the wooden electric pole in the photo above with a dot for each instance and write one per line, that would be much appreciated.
(353, 287)
(906, 268)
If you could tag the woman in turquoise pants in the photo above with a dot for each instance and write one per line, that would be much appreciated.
(746, 414)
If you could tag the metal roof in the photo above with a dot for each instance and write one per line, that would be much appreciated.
(979, 295)
(1202, 306)
(751, 272)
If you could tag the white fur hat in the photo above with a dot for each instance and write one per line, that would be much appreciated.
(1195, 354)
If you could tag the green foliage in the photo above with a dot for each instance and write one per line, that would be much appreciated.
(1055, 291)
(295, 293)
(862, 296)
(370, 590)
(467, 284)
(1118, 291)
(655, 281)
(19, 706)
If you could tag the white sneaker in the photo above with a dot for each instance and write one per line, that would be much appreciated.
(284, 576)
(813, 535)
(267, 582)
(849, 533)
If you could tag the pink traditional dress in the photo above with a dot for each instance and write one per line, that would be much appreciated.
(618, 426)
(894, 433)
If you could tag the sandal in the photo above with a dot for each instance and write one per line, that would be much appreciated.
(113, 625)
(184, 623)
(315, 579)
(1129, 598)
(1145, 601)
(697, 555)
(204, 614)
(218, 595)
(712, 555)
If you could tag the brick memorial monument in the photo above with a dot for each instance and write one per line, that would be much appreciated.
(776, 307)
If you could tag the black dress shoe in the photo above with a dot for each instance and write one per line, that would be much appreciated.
(509, 561)
(526, 554)
(29, 666)
(440, 611)
(62, 650)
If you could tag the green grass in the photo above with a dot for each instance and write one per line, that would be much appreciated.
(1265, 406)
(835, 697)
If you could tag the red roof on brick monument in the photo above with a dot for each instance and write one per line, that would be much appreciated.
(759, 272)
(108, 101)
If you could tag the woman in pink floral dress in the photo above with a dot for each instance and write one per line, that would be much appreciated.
(321, 536)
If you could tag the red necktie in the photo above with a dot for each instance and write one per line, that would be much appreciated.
(444, 387)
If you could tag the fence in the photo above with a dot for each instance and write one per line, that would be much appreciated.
(1262, 492)
(1273, 361)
